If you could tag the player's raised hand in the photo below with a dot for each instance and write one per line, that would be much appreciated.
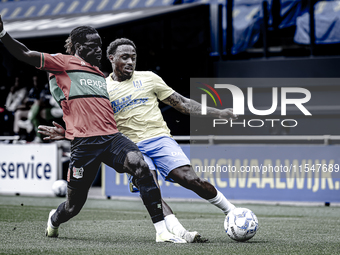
(52, 133)
(228, 114)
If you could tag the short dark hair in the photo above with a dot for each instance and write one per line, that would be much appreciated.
(112, 48)
(78, 35)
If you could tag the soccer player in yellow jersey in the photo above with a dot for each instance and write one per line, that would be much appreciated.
(134, 98)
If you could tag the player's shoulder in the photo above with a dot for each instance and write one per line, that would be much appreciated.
(57, 55)
(109, 77)
(110, 81)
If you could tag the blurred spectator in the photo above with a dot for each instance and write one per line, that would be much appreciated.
(22, 122)
(4, 90)
(15, 105)
(43, 111)
(29, 104)
(16, 95)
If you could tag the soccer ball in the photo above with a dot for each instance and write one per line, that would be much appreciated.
(241, 224)
(59, 188)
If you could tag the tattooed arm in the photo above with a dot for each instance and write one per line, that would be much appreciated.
(190, 107)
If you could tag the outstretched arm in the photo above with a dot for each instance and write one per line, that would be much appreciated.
(19, 50)
(191, 107)
(52, 133)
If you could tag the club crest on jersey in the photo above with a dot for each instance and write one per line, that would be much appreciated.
(137, 84)
(78, 172)
(82, 63)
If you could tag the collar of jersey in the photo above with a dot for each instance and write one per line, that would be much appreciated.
(80, 58)
(122, 81)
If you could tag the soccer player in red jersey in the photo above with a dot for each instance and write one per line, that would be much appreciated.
(79, 87)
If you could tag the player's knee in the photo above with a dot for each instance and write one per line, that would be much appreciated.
(135, 162)
(142, 171)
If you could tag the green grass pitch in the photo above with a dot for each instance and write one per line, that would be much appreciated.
(124, 227)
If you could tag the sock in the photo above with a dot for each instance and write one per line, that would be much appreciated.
(50, 224)
(151, 197)
(174, 226)
(160, 226)
(221, 202)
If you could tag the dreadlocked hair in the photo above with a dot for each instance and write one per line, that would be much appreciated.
(78, 35)
(112, 48)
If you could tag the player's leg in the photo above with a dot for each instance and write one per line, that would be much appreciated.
(83, 168)
(172, 223)
(126, 158)
(166, 208)
(150, 194)
(154, 148)
(135, 165)
(186, 177)
(65, 211)
(174, 165)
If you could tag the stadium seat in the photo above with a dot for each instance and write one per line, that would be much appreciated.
(247, 21)
(289, 11)
(327, 24)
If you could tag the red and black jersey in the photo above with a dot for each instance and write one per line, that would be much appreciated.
(80, 89)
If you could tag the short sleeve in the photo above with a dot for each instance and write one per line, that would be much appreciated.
(161, 89)
(53, 63)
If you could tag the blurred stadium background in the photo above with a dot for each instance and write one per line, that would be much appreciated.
(185, 39)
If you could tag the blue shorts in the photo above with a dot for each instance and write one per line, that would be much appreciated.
(163, 154)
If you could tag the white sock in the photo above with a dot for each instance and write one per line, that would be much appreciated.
(174, 226)
(160, 226)
(221, 202)
(50, 224)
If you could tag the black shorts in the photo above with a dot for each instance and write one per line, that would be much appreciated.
(88, 153)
